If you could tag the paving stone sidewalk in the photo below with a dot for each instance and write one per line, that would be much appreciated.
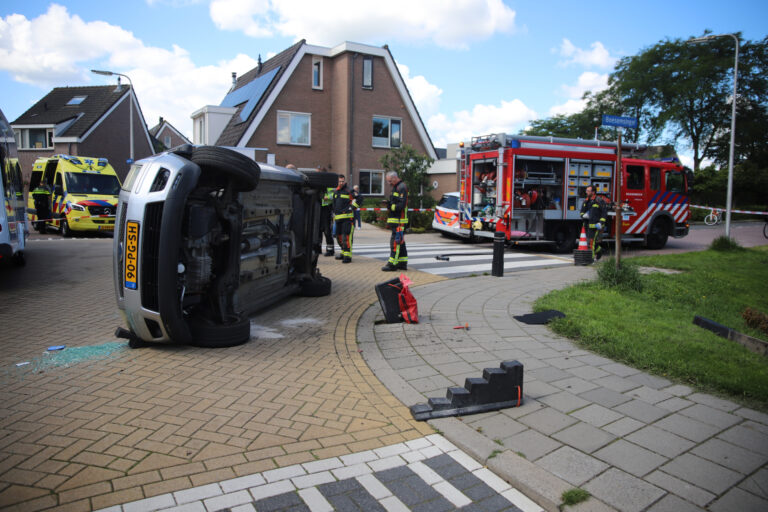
(635, 441)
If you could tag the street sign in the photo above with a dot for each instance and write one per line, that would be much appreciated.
(129, 161)
(620, 122)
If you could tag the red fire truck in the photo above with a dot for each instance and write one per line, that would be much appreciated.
(532, 188)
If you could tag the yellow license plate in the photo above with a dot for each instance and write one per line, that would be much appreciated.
(131, 270)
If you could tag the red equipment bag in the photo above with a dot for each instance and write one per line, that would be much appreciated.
(408, 307)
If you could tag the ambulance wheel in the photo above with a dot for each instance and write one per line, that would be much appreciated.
(65, 231)
(317, 287)
(657, 236)
(244, 172)
(211, 335)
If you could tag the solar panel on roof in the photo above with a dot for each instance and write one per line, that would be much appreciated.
(250, 92)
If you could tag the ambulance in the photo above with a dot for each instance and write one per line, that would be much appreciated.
(73, 194)
(13, 233)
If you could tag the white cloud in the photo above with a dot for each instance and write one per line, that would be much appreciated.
(425, 95)
(57, 49)
(443, 22)
(587, 81)
(508, 117)
(598, 56)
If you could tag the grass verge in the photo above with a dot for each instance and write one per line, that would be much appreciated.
(652, 329)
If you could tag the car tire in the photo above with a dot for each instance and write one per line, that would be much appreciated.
(657, 236)
(321, 180)
(244, 172)
(320, 286)
(64, 227)
(210, 335)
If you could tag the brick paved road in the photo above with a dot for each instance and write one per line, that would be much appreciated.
(93, 427)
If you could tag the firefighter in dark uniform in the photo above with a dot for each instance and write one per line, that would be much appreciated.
(397, 218)
(42, 200)
(326, 215)
(594, 211)
(344, 206)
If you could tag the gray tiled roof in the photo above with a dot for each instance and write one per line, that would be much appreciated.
(236, 127)
(53, 108)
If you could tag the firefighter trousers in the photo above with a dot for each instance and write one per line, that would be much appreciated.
(397, 250)
(345, 229)
(325, 227)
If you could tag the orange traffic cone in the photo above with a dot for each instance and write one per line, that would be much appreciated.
(583, 254)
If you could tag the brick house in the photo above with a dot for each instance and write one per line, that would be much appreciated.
(86, 121)
(341, 108)
(167, 135)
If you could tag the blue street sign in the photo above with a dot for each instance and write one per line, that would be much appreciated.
(129, 161)
(620, 122)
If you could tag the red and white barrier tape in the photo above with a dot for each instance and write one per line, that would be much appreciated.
(723, 210)
(385, 210)
(75, 218)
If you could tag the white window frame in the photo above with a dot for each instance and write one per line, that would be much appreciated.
(370, 181)
(76, 100)
(285, 114)
(317, 62)
(167, 141)
(22, 138)
(389, 144)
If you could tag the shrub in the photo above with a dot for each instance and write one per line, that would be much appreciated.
(756, 319)
(724, 243)
(627, 277)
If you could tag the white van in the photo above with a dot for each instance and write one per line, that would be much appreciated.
(13, 228)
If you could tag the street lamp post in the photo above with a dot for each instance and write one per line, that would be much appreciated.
(130, 105)
(733, 126)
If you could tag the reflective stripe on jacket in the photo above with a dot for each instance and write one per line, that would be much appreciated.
(398, 204)
(344, 203)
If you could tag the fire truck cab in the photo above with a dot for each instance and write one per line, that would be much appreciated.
(532, 189)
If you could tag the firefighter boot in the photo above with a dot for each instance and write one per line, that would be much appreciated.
(389, 267)
(346, 259)
(403, 265)
(339, 256)
(329, 251)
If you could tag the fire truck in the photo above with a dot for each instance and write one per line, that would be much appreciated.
(532, 188)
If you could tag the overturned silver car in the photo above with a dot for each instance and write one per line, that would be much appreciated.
(205, 237)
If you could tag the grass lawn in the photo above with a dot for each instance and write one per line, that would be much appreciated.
(653, 329)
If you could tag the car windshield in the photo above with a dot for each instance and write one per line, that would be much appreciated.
(449, 202)
(85, 183)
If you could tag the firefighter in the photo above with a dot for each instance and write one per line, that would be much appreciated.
(344, 206)
(42, 199)
(397, 218)
(326, 218)
(593, 211)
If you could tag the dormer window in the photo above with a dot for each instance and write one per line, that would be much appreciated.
(76, 100)
(367, 72)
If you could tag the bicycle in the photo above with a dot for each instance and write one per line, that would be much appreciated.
(714, 217)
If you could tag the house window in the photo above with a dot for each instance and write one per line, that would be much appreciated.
(386, 132)
(34, 138)
(371, 183)
(367, 72)
(317, 72)
(167, 141)
(293, 128)
(76, 100)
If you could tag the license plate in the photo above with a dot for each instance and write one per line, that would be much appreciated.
(131, 255)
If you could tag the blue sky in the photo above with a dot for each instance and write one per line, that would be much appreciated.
(472, 66)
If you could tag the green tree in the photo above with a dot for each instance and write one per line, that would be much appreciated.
(412, 167)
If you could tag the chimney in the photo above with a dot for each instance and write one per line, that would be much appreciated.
(234, 79)
(119, 85)
(259, 64)
(161, 120)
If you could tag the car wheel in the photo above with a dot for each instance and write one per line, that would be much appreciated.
(64, 227)
(657, 236)
(244, 172)
(210, 335)
(321, 180)
(317, 287)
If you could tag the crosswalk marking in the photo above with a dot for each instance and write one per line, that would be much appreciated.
(462, 260)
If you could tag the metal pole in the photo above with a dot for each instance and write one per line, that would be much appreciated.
(617, 203)
(728, 199)
(497, 265)
(130, 106)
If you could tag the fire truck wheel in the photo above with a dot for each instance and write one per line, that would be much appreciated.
(565, 239)
(657, 236)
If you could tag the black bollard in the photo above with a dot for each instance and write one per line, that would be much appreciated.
(497, 267)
